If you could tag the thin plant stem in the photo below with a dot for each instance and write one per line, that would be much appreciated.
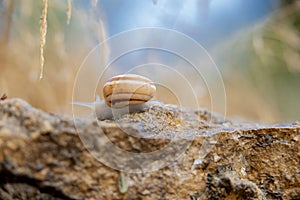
(43, 33)
(69, 11)
(9, 20)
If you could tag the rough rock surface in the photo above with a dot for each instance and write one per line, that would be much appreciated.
(43, 156)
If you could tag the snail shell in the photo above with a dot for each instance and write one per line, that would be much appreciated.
(123, 90)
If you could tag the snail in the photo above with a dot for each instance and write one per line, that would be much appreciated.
(123, 90)
(123, 94)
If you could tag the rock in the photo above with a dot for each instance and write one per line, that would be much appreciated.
(168, 153)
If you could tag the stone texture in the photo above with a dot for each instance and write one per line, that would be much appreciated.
(43, 156)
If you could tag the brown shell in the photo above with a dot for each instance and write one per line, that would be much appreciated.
(122, 90)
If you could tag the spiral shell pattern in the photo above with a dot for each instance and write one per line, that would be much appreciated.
(123, 90)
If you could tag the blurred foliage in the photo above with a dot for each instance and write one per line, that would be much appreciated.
(260, 65)
(287, 2)
(262, 68)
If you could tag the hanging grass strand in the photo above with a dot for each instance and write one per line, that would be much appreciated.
(43, 33)
(69, 11)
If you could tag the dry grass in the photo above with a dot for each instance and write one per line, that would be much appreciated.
(69, 11)
(43, 33)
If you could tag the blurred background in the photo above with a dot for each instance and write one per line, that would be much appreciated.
(255, 44)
